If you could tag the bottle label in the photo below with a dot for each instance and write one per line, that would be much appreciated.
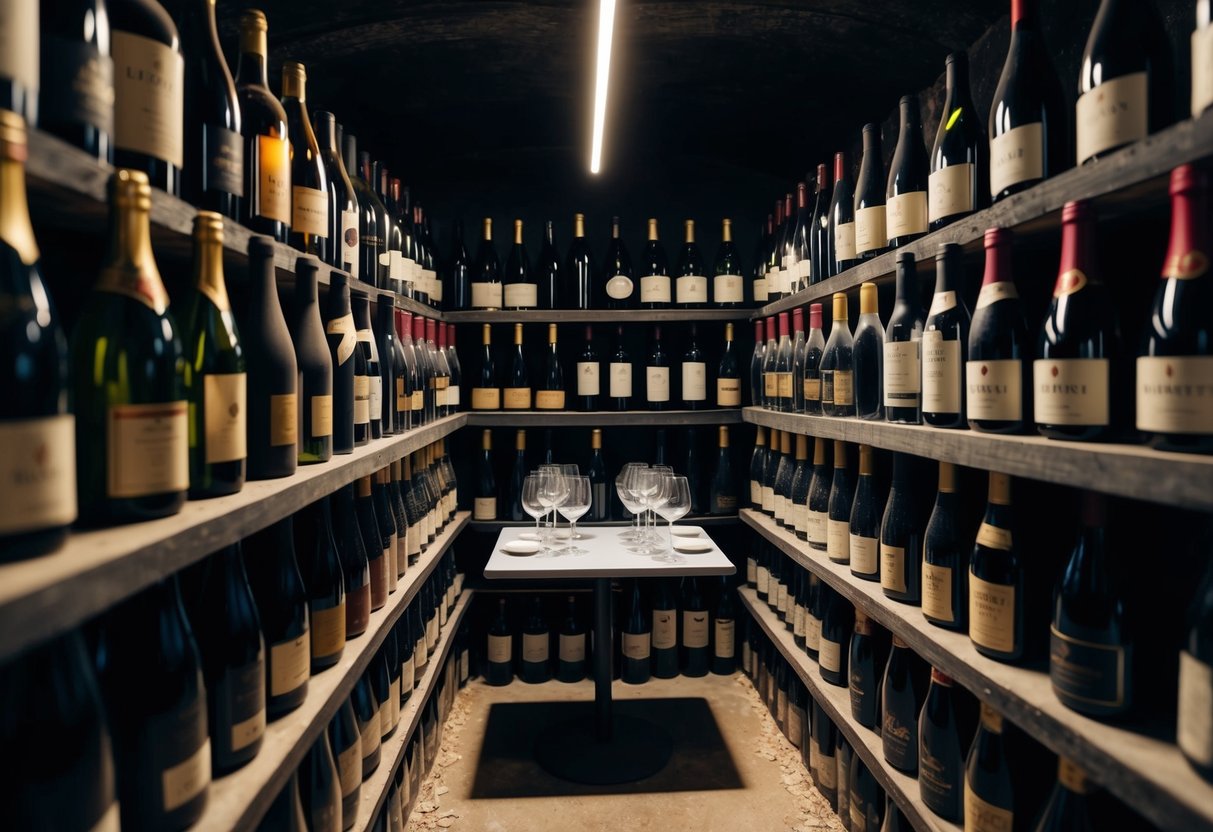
(812, 631)
(859, 821)
(1086, 670)
(572, 647)
(783, 385)
(695, 381)
(726, 636)
(870, 229)
(842, 389)
(950, 191)
(1195, 726)
(763, 580)
(799, 621)
(655, 288)
(830, 655)
(517, 295)
(994, 537)
(770, 386)
(940, 373)
(781, 507)
(484, 508)
(941, 302)
(665, 629)
(284, 419)
(892, 567)
(756, 493)
(776, 284)
(992, 293)
(343, 326)
(1018, 155)
(728, 288)
(995, 390)
(906, 214)
(818, 523)
(621, 381)
(838, 540)
(534, 647)
(800, 518)
(864, 553)
(77, 85)
(486, 296)
(500, 649)
(184, 781)
(149, 90)
(328, 630)
(549, 400)
(147, 449)
(362, 400)
(322, 416)
(619, 287)
(110, 820)
(760, 290)
(587, 378)
(937, 592)
(371, 735)
(1202, 69)
(290, 664)
(844, 242)
(902, 373)
(1175, 394)
(768, 499)
(991, 614)
(657, 384)
(812, 390)
(37, 473)
(273, 164)
(985, 817)
(1114, 113)
(1070, 391)
(728, 392)
(349, 768)
(692, 288)
(19, 44)
(751, 566)
(349, 242)
(517, 398)
(486, 398)
(310, 211)
(224, 397)
(636, 646)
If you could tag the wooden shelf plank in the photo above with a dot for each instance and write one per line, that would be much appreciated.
(97, 568)
(1139, 763)
(374, 789)
(1136, 471)
(837, 703)
(239, 800)
(1125, 181)
(600, 418)
(597, 316)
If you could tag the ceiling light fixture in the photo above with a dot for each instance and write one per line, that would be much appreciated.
(606, 27)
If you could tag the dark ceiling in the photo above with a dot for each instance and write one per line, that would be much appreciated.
(471, 85)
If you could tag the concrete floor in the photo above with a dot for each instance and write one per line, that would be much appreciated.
(731, 768)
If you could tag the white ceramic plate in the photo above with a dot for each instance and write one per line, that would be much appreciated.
(528, 536)
(521, 547)
(693, 546)
(685, 531)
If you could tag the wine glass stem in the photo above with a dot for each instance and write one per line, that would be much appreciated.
(670, 531)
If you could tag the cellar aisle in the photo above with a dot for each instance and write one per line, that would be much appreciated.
(730, 763)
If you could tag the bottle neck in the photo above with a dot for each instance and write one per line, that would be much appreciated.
(998, 264)
(1188, 250)
(1077, 265)
(957, 86)
(15, 226)
(208, 270)
(131, 269)
(251, 68)
(840, 167)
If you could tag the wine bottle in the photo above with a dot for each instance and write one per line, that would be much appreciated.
(550, 394)
(867, 798)
(149, 88)
(759, 281)
(802, 477)
(728, 280)
(518, 473)
(548, 272)
(389, 701)
(366, 713)
(618, 287)
(401, 273)
(757, 360)
(814, 610)
(132, 446)
(635, 636)
(901, 536)
(454, 370)
(266, 206)
(894, 819)
(837, 366)
(900, 705)
(694, 374)
(499, 655)
(345, 746)
(782, 369)
(842, 491)
(441, 372)
(822, 754)
(941, 764)
(385, 346)
(315, 365)
(906, 191)
(836, 629)
(517, 394)
(484, 504)
(309, 221)
(486, 393)
(457, 288)
(819, 498)
(989, 797)
(324, 581)
(373, 223)
(619, 370)
(424, 391)
(517, 283)
(696, 628)
(600, 485)
(865, 666)
(355, 562)
(273, 375)
(770, 468)
(372, 540)
(282, 610)
(798, 260)
(319, 783)
(770, 353)
(994, 395)
(902, 366)
(1194, 737)
(428, 261)
(799, 350)
(865, 523)
(1078, 340)
(868, 356)
(1174, 405)
(655, 289)
(723, 501)
(814, 348)
(536, 644)
(571, 656)
(945, 343)
(212, 174)
(821, 241)
(19, 69)
(772, 252)
(724, 630)
(758, 462)
(1029, 141)
(580, 268)
(664, 650)
(783, 481)
(1125, 81)
(944, 571)
(996, 583)
(728, 376)
(960, 179)
(657, 375)
(386, 515)
(871, 227)
(779, 278)
(36, 431)
(799, 607)
(342, 341)
(344, 250)
(691, 284)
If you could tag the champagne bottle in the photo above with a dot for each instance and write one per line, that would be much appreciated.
(37, 432)
(902, 365)
(132, 446)
(989, 796)
(517, 393)
(273, 376)
(571, 656)
(315, 365)
(842, 218)
(266, 207)
(900, 705)
(580, 268)
(212, 173)
(309, 178)
(534, 667)
(635, 639)
(865, 523)
(944, 571)
(655, 273)
(520, 291)
(868, 356)
(345, 249)
(959, 183)
(723, 500)
(842, 491)
(996, 583)
(838, 364)
(549, 272)
(871, 226)
(619, 290)
(499, 655)
(550, 394)
(901, 536)
(906, 191)
(664, 651)
(945, 343)
(282, 610)
(941, 764)
(728, 281)
(485, 500)
(994, 369)
(819, 498)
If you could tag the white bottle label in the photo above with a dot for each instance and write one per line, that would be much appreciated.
(1202, 70)
(818, 522)
(838, 540)
(149, 98)
(892, 568)
(992, 293)
(941, 302)
(994, 390)
(501, 649)
(518, 295)
(906, 214)
(776, 285)
(636, 645)
(1175, 395)
(486, 295)
(37, 473)
(692, 288)
(864, 555)
(1195, 727)
(844, 242)
(1114, 113)
(726, 638)
(665, 629)
(349, 242)
(940, 374)
(183, 782)
(902, 374)
(1018, 155)
(534, 647)
(695, 628)
(19, 42)
(728, 288)
(871, 229)
(572, 647)
(484, 508)
(655, 288)
(760, 290)
(619, 287)
(763, 580)
(992, 614)
(587, 378)
(694, 381)
(1070, 391)
(290, 665)
(147, 449)
(310, 211)
(657, 386)
(830, 655)
(621, 381)
(950, 191)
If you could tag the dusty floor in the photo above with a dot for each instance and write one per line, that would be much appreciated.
(731, 770)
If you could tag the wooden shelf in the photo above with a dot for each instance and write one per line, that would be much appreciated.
(239, 800)
(1139, 763)
(1123, 182)
(1136, 471)
(67, 189)
(600, 418)
(495, 526)
(837, 703)
(97, 568)
(597, 316)
(375, 788)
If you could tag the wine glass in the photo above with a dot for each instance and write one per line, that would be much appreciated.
(553, 491)
(530, 500)
(628, 498)
(574, 507)
(675, 505)
(648, 487)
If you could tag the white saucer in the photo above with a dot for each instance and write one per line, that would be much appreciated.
(685, 531)
(693, 546)
(528, 536)
(521, 547)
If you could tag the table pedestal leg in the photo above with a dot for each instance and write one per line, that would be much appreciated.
(603, 649)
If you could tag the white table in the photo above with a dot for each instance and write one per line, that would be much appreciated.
(615, 751)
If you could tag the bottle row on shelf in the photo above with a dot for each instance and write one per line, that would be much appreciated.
(947, 370)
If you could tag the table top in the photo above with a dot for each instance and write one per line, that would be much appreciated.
(606, 556)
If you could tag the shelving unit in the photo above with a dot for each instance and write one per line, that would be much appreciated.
(98, 568)
(837, 703)
(1139, 763)
(598, 316)
(375, 788)
(1136, 471)
(239, 800)
(1123, 182)
(600, 418)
